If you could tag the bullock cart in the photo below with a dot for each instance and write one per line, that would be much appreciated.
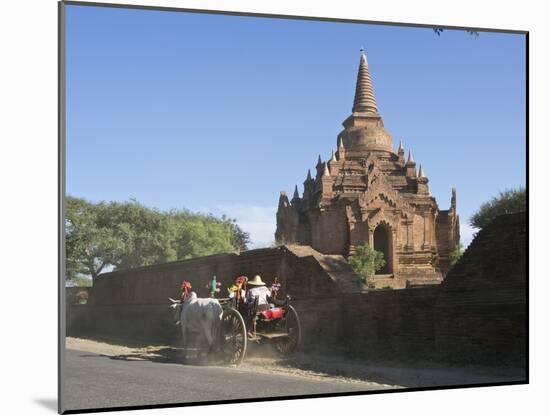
(243, 323)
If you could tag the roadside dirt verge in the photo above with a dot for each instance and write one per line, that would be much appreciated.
(322, 367)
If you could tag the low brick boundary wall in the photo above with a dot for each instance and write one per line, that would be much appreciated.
(386, 324)
(481, 312)
(147, 324)
(476, 316)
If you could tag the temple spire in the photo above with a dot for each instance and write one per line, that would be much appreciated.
(283, 200)
(326, 171)
(364, 94)
(296, 194)
(410, 166)
(421, 172)
(401, 152)
(453, 199)
(341, 149)
(332, 157)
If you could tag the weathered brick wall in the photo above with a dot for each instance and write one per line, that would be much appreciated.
(330, 231)
(478, 314)
(134, 303)
(321, 321)
(481, 311)
(150, 324)
(154, 284)
(390, 324)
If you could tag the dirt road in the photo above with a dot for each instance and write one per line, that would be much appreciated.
(100, 375)
(107, 375)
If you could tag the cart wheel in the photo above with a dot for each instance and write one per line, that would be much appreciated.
(233, 336)
(287, 344)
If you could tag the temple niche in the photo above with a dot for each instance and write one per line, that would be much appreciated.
(368, 193)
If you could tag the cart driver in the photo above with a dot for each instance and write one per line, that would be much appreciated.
(258, 289)
(238, 289)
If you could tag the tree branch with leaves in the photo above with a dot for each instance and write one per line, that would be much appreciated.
(123, 235)
(366, 261)
(508, 201)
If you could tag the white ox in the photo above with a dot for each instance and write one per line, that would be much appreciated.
(198, 316)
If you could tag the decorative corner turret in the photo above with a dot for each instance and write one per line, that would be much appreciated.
(341, 150)
(295, 201)
(401, 152)
(453, 199)
(326, 183)
(296, 194)
(287, 220)
(308, 185)
(421, 173)
(333, 164)
(326, 171)
(410, 166)
(319, 167)
(422, 181)
(283, 200)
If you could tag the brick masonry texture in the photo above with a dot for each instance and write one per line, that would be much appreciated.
(367, 193)
(476, 316)
(481, 312)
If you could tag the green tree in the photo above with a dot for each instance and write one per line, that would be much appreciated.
(198, 234)
(509, 201)
(366, 261)
(91, 244)
(122, 235)
(456, 254)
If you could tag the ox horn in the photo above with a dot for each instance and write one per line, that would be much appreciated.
(174, 301)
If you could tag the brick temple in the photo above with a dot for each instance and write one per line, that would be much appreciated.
(368, 193)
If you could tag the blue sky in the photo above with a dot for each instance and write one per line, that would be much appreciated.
(219, 113)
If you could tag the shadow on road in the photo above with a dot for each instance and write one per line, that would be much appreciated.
(404, 374)
(163, 355)
(263, 358)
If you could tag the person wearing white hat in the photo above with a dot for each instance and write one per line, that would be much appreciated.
(257, 289)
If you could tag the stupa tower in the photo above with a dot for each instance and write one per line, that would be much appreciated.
(364, 129)
(367, 193)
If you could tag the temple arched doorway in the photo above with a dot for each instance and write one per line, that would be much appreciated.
(383, 243)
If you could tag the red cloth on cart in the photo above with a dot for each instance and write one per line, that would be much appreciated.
(272, 313)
